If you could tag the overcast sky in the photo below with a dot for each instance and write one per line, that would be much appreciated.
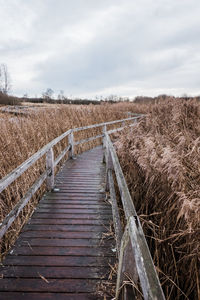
(101, 47)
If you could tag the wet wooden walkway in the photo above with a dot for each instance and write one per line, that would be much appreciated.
(63, 251)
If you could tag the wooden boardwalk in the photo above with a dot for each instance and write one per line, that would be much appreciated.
(61, 252)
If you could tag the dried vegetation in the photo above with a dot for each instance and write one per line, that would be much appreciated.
(160, 158)
(24, 134)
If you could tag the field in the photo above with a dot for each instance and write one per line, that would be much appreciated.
(161, 161)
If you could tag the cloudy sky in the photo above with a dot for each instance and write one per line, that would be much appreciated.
(91, 47)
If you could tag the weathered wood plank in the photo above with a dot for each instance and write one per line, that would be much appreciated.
(68, 261)
(74, 202)
(54, 272)
(89, 228)
(56, 242)
(74, 211)
(63, 251)
(82, 216)
(46, 296)
(53, 285)
(62, 235)
(70, 222)
(73, 206)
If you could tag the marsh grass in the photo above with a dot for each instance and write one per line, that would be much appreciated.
(160, 158)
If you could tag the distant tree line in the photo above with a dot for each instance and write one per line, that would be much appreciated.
(48, 95)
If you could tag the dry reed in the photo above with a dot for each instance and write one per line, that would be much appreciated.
(160, 158)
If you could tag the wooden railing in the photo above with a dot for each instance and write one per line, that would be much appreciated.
(133, 252)
(51, 163)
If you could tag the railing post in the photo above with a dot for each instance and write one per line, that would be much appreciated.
(124, 243)
(109, 166)
(126, 266)
(104, 143)
(71, 143)
(50, 169)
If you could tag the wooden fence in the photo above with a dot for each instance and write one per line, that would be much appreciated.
(133, 252)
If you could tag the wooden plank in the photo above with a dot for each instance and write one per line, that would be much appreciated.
(62, 251)
(89, 228)
(46, 296)
(82, 216)
(75, 197)
(53, 285)
(80, 179)
(77, 193)
(89, 242)
(75, 202)
(62, 235)
(80, 190)
(54, 272)
(68, 261)
(75, 211)
(70, 221)
(86, 184)
(74, 206)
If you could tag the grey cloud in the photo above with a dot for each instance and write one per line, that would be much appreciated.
(87, 46)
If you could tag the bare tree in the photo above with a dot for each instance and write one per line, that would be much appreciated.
(48, 94)
(5, 84)
(61, 95)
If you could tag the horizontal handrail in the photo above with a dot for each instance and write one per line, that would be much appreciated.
(140, 252)
(8, 179)
(106, 123)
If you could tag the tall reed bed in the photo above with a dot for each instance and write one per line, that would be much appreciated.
(22, 136)
(160, 157)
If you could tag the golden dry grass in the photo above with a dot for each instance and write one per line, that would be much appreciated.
(23, 135)
(160, 158)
